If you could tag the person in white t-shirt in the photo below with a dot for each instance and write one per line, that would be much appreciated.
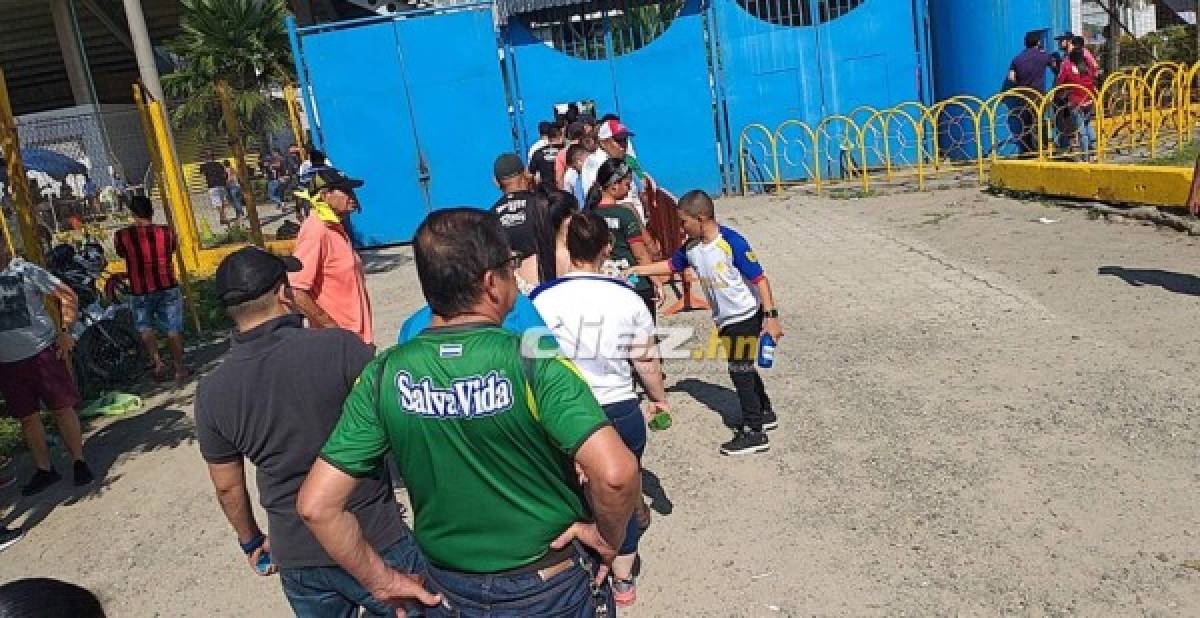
(613, 139)
(542, 140)
(604, 327)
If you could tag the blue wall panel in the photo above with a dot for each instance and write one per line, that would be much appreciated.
(361, 107)
(974, 42)
(458, 103)
(663, 94)
(772, 73)
(869, 57)
(661, 91)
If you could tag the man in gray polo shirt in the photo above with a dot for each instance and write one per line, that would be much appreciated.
(274, 400)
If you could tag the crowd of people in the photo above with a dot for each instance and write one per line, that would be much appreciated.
(284, 172)
(1074, 106)
(514, 405)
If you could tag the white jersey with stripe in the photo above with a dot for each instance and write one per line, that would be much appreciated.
(728, 271)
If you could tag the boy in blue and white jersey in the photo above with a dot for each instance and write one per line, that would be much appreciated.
(743, 308)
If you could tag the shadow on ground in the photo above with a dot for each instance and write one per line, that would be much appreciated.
(1178, 283)
(720, 399)
(382, 260)
(652, 488)
(160, 428)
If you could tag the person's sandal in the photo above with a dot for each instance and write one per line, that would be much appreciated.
(624, 591)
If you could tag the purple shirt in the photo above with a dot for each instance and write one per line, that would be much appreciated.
(1030, 67)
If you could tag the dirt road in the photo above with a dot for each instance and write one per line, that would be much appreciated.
(980, 414)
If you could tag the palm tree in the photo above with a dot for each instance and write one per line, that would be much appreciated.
(241, 42)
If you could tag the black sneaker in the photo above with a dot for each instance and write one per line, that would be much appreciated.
(9, 537)
(41, 480)
(746, 443)
(770, 421)
(83, 474)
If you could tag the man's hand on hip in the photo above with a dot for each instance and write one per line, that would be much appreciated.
(589, 535)
(399, 588)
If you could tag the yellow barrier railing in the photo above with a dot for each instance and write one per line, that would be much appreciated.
(1135, 113)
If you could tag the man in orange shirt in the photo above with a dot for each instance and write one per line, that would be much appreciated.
(331, 289)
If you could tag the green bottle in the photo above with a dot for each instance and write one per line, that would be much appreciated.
(660, 421)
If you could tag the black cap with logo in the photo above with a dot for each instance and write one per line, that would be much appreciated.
(331, 178)
(250, 272)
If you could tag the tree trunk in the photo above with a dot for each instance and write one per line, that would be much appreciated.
(1114, 36)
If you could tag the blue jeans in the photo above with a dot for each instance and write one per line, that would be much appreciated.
(331, 592)
(568, 594)
(273, 191)
(627, 419)
(162, 309)
(1083, 125)
(235, 196)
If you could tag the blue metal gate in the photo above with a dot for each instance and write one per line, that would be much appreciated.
(785, 62)
(416, 105)
(651, 71)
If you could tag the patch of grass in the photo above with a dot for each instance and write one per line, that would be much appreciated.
(208, 307)
(10, 436)
(1183, 156)
(850, 194)
(236, 234)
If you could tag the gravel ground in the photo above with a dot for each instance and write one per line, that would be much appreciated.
(980, 413)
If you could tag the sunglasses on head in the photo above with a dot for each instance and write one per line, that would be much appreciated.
(512, 262)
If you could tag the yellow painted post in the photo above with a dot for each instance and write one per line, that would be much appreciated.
(8, 241)
(22, 200)
(239, 157)
(185, 279)
(177, 196)
(293, 107)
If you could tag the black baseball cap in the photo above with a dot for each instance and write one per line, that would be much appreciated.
(507, 165)
(250, 272)
(1066, 36)
(330, 178)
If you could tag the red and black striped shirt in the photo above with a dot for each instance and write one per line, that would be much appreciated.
(147, 250)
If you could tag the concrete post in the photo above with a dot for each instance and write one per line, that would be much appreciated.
(142, 49)
(66, 31)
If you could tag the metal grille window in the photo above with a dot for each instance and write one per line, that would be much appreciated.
(586, 31)
(833, 9)
(780, 12)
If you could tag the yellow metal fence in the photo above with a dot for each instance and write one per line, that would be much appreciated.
(1138, 113)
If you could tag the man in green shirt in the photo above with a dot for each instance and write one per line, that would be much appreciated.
(492, 446)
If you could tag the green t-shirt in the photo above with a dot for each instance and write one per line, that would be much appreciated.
(487, 456)
(626, 229)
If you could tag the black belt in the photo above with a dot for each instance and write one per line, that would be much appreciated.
(554, 557)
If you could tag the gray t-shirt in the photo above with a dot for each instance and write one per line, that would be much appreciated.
(275, 400)
(25, 327)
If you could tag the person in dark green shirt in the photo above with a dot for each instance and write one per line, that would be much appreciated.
(607, 196)
(511, 465)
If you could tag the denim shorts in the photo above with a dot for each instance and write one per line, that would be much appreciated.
(162, 309)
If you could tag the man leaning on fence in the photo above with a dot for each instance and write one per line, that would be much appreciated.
(511, 533)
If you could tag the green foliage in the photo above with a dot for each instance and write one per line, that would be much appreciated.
(1184, 156)
(234, 235)
(208, 306)
(1173, 44)
(245, 44)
